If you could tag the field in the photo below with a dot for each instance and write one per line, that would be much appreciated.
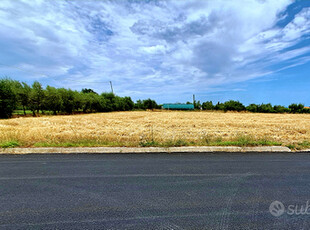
(158, 128)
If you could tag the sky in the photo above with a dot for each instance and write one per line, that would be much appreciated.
(254, 51)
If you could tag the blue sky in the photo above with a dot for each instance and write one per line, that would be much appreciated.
(254, 51)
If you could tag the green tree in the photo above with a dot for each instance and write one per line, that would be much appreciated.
(7, 99)
(197, 105)
(93, 103)
(280, 109)
(52, 100)
(219, 106)
(252, 108)
(110, 101)
(36, 97)
(129, 104)
(85, 90)
(208, 105)
(233, 106)
(68, 98)
(265, 108)
(149, 104)
(25, 96)
(138, 105)
(296, 108)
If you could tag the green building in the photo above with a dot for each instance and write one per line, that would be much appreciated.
(178, 106)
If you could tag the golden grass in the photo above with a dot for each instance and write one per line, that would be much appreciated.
(132, 128)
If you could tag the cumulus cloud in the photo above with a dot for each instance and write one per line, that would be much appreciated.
(150, 47)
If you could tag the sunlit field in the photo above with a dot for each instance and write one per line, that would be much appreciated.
(158, 128)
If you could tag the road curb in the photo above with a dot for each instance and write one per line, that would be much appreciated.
(133, 150)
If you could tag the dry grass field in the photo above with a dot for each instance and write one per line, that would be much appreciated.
(142, 128)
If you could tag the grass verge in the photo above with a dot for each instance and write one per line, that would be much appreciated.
(9, 144)
(299, 146)
(242, 141)
(82, 143)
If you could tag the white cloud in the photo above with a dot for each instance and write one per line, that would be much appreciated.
(157, 49)
(153, 46)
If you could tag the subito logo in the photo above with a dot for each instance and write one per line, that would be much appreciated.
(276, 208)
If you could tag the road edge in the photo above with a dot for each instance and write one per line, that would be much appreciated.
(135, 150)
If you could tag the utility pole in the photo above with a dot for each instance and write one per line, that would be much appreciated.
(194, 101)
(111, 87)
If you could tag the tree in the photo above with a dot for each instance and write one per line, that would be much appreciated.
(16, 87)
(36, 97)
(219, 106)
(197, 105)
(93, 103)
(68, 100)
(129, 104)
(265, 108)
(85, 90)
(7, 99)
(110, 101)
(296, 108)
(25, 96)
(149, 104)
(138, 105)
(252, 108)
(52, 100)
(208, 105)
(233, 106)
(280, 109)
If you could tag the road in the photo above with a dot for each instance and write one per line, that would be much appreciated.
(153, 191)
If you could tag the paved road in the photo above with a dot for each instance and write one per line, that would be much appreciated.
(156, 191)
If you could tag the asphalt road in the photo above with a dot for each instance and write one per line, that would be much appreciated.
(154, 191)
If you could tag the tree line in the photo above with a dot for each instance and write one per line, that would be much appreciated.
(254, 108)
(19, 95)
